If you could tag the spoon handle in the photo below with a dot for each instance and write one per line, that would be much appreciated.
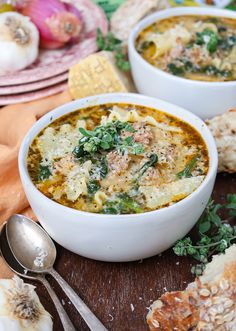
(65, 320)
(91, 320)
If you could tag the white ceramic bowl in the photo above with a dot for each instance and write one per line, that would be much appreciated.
(205, 99)
(118, 237)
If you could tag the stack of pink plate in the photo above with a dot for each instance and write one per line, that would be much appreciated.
(48, 75)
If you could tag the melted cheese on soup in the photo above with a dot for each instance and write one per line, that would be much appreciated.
(194, 47)
(117, 159)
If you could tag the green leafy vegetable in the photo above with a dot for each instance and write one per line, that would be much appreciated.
(103, 167)
(209, 38)
(214, 234)
(110, 43)
(227, 42)
(213, 71)
(176, 70)
(187, 171)
(153, 159)
(93, 186)
(122, 204)
(44, 172)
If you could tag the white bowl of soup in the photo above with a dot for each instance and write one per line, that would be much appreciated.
(118, 177)
(187, 56)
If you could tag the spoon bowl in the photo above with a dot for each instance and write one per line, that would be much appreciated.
(35, 251)
(17, 268)
(30, 244)
(9, 258)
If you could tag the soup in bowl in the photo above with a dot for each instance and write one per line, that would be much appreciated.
(187, 56)
(111, 176)
(194, 47)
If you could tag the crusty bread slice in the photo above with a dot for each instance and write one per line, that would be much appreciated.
(223, 128)
(130, 13)
(208, 304)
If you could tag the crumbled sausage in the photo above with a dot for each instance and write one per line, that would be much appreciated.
(117, 162)
(143, 133)
(151, 177)
(64, 165)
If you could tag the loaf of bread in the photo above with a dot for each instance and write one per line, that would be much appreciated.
(130, 13)
(207, 304)
(223, 129)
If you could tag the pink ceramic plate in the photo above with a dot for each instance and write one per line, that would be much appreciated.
(54, 62)
(14, 89)
(25, 97)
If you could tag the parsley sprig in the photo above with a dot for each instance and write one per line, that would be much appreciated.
(112, 44)
(214, 234)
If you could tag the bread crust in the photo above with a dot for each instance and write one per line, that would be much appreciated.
(207, 304)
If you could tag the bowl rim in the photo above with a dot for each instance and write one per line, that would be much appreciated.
(67, 108)
(171, 12)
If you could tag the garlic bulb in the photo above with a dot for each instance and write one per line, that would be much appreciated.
(19, 42)
(20, 308)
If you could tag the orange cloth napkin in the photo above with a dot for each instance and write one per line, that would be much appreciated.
(15, 121)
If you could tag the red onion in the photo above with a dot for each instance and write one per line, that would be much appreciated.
(58, 23)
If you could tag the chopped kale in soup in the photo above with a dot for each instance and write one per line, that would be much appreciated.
(194, 47)
(117, 159)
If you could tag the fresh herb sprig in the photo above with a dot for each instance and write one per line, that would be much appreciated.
(107, 137)
(214, 234)
(112, 44)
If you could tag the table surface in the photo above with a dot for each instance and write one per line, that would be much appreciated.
(120, 293)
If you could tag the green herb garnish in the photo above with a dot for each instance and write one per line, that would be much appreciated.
(124, 145)
(111, 43)
(107, 137)
(209, 38)
(214, 234)
(44, 172)
(122, 204)
(187, 171)
(93, 186)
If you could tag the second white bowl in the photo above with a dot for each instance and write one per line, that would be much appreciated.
(205, 99)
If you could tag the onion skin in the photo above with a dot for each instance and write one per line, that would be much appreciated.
(58, 23)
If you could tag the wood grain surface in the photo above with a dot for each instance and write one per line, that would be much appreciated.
(120, 293)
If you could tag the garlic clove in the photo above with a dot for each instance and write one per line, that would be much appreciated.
(19, 42)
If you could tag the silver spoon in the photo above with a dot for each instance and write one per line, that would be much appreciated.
(35, 251)
(10, 260)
